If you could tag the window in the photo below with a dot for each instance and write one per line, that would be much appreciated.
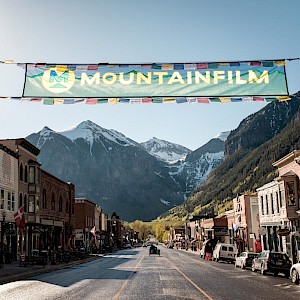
(44, 203)
(53, 202)
(267, 205)
(262, 205)
(26, 174)
(272, 204)
(31, 203)
(67, 207)
(224, 248)
(281, 197)
(25, 203)
(12, 201)
(231, 249)
(31, 174)
(20, 200)
(60, 204)
(290, 193)
(2, 199)
(9, 200)
(277, 202)
(21, 172)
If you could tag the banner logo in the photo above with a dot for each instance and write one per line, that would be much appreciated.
(58, 80)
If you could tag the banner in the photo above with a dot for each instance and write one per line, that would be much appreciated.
(232, 79)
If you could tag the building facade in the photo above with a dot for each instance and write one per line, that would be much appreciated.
(8, 202)
(279, 208)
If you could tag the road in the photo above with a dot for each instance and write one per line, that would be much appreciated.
(133, 274)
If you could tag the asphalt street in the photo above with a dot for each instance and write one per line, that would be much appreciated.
(133, 274)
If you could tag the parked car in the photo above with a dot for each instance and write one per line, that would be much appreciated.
(295, 273)
(274, 262)
(244, 260)
(224, 252)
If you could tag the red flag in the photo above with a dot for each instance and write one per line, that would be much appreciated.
(93, 231)
(19, 219)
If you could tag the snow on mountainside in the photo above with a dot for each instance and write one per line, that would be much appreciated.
(223, 135)
(197, 165)
(89, 131)
(166, 151)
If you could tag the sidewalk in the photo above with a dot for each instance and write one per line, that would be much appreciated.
(13, 271)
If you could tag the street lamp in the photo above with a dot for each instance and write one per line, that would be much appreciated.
(2, 238)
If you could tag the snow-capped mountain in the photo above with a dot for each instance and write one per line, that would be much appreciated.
(109, 169)
(166, 151)
(197, 165)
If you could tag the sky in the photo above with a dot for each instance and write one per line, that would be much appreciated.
(128, 32)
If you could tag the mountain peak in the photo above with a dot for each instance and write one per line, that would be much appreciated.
(223, 135)
(164, 150)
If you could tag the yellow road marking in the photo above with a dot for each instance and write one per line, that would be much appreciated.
(118, 294)
(192, 282)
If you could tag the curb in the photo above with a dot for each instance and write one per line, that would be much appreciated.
(44, 270)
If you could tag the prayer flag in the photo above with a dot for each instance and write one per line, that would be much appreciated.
(203, 100)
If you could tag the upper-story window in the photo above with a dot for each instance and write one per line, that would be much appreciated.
(20, 200)
(44, 200)
(21, 170)
(67, 207)
(53, 202)
(31, 203)
(60, 205)
(277, 202)
(1, 199)
(267, 205)
(31, 174)
(25, 203)
(290, 193)
(272, 204)
(9, 200)
(12, 201)
(26, 174)
(262, 205)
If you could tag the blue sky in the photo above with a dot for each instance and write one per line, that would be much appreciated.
(131, 31)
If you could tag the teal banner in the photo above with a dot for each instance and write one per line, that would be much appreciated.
(226, 79)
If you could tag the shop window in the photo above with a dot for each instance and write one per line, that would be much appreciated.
(31, 204)
(290, 193)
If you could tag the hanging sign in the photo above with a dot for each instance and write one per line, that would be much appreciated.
(253, 78)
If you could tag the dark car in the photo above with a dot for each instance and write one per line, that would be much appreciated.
(274, 262)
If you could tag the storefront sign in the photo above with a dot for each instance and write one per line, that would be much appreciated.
(283, 232)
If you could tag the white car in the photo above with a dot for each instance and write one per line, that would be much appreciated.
(244, 260)
(295, 273)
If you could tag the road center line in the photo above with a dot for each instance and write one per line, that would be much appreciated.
(190, 281)
(118, 294)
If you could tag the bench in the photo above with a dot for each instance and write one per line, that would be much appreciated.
(32, 260)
